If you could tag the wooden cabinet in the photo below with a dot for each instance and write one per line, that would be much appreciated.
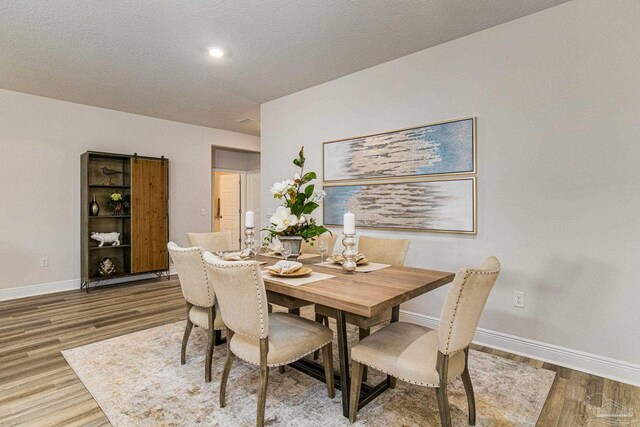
(142, 223)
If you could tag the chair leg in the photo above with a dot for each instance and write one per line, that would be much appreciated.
(443, 405)
(327, 360)
(468, 388)
(281, 369)
(264, 379)
(442, 366)
(270, 308)
(225, 372)
(356, 383)
(185, 340)
(209, 358)
(363, 334)
(319, 319)
(295, 311)
(393, 382)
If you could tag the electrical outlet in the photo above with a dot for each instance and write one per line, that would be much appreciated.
(518, 299)
(203, 212)
(44, 261)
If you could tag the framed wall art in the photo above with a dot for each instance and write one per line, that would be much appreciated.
(444, 148)
(445, 205)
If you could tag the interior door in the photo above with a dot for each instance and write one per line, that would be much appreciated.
(149, 215)
(230, 206)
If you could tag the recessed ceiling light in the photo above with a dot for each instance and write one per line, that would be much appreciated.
(216, 52)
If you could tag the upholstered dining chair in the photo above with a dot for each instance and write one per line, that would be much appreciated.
(213, 242)
(198, 291)
(383, 251)
(256, 336)
(426, 357)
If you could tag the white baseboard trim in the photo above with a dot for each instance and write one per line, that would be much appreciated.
(614, 369)
(40, 289)
(65, 285)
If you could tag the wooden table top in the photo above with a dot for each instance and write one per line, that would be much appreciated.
(365, 294)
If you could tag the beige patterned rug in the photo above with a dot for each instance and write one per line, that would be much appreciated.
(137, 380)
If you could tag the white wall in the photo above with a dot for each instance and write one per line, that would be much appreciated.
(41, 141)
(557, 97)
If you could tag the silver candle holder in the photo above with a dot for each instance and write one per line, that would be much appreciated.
(349, 253)
(249, 241)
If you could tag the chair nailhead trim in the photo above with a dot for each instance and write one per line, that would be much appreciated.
(283, 363)
(403, 379)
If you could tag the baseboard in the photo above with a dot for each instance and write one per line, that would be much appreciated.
(606, 367)
(65, 285)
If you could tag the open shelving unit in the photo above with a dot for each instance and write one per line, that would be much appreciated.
(143, 227)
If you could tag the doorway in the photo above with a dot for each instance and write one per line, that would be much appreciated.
(235, 190)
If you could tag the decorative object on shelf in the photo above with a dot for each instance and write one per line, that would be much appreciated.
(446, 205)
(349, 241)
(94, 207)
(110, 173)
(291, 222)
(107, 267)
(118, 201)
(436, 149)
(113, 238)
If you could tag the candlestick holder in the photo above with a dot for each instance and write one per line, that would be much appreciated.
(349, 253)
(249, 241)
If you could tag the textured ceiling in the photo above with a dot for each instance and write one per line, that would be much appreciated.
(149, 56)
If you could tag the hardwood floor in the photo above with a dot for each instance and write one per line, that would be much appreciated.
(37, 386)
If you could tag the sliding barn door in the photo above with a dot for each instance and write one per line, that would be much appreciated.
(149, 216)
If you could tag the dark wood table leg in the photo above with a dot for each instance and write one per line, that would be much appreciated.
(395, 314)
(343, 353)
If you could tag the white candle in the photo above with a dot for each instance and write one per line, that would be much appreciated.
(349, 223)
(249, 219)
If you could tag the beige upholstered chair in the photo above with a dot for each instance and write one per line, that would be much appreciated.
(212, 242)
(383, 251)
(423, 356)
(198, 291)
(256, 336)
(306, 248)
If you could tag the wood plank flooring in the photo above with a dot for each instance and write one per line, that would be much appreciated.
(39, 388)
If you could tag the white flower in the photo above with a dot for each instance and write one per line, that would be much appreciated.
(302, 220)
(280, 188)
(317, 196)
(283, 219)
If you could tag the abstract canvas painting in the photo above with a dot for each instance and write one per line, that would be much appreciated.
(443, 148)
(443, 205)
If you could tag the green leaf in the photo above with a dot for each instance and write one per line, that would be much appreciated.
(308, 177)
(309, 207)
(309, 190)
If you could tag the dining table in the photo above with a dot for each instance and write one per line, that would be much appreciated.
(364, 294)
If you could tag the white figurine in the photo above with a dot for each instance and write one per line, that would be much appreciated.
(106, 238)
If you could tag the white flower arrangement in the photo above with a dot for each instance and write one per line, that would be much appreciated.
(292, 217)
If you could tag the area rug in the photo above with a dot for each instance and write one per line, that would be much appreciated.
(137, 380)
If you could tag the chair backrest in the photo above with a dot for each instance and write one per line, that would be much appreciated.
(384, 251)
(306, 248)
(464, 304)
(197, 289)
(241, 295)
(212, 242)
